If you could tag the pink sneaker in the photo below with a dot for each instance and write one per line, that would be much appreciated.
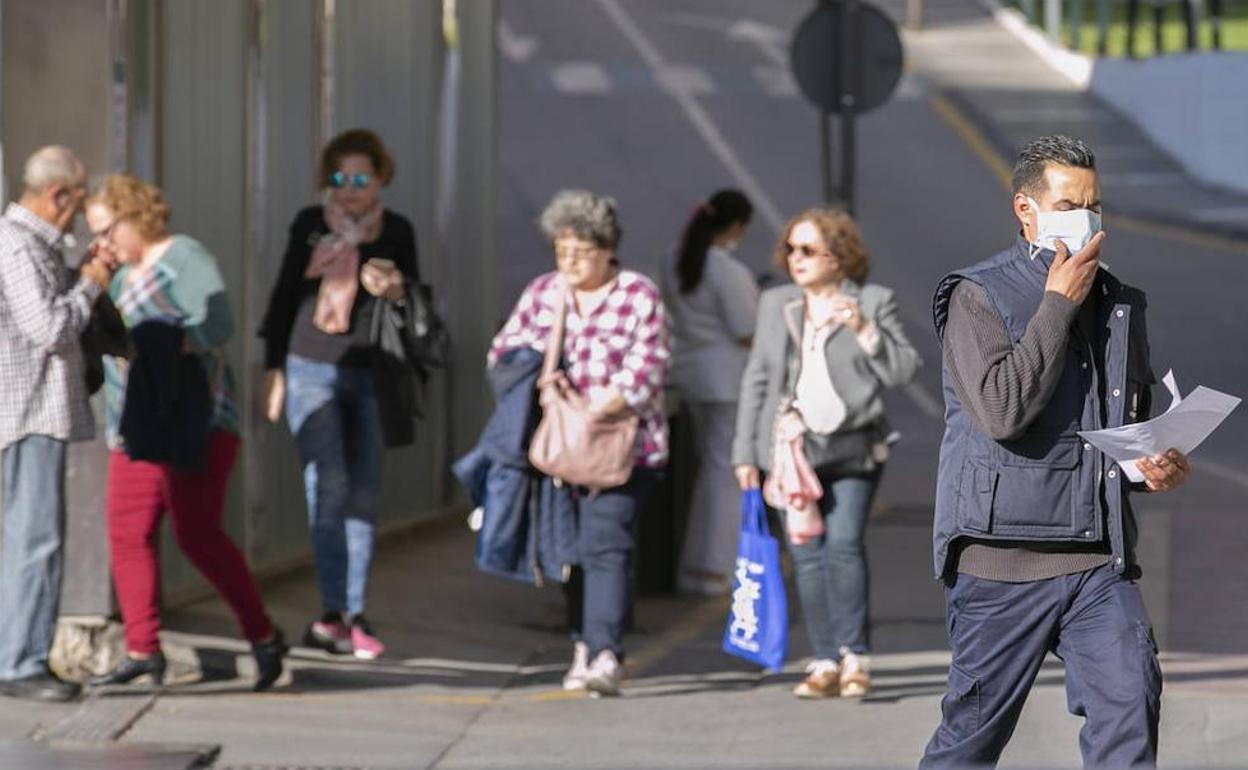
(329, 633)
(366, 645)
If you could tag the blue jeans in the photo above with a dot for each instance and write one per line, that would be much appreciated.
(831, 572)
(598, 593)
(333, 412)
(31, 564)
(1095, 621)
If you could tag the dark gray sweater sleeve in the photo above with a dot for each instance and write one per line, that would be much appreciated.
(1004, 386)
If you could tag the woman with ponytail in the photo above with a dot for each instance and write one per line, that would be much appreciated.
(712, 299)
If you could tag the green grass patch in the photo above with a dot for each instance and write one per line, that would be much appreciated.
(1173, 29)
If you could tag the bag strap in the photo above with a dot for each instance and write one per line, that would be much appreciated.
(753, 512)
(554, 343)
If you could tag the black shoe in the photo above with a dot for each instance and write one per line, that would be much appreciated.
(130, 669)
(269, 660)
(331, 633)
(45, 687)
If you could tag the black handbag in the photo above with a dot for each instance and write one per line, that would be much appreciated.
(408, 340)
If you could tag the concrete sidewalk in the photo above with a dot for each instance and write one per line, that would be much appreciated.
(1007, 94)
(472, 680)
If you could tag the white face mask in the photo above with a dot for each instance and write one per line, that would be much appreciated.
(1074, 228)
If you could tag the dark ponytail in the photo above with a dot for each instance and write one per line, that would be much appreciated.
(725, 209)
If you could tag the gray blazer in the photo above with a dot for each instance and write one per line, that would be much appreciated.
(859, 378)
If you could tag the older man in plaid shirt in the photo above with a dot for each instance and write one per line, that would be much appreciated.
(43, 406)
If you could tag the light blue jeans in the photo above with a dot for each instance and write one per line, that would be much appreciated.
(831, 571)
(333, 412)
(32, 560)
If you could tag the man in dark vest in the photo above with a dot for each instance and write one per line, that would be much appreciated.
(1034, 536)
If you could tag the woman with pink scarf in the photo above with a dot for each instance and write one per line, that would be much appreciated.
(342, 258)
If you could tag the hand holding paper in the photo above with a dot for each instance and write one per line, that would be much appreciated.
(1183, 426)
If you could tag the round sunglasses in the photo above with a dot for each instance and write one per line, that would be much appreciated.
(338, 180)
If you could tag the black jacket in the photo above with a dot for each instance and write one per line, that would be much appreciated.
(407, 340)
(168, 411)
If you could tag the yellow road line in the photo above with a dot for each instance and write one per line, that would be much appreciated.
(459, 700)
(1000, 168)
(689, 628)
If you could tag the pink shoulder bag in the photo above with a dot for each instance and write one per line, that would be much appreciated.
(571, 443)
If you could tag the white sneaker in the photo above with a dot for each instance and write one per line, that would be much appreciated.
(604, 674)
(576, 676)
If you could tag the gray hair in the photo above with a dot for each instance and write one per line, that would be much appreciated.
(588, 216)
(52, 165)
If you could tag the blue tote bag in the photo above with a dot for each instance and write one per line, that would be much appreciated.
(758, 621)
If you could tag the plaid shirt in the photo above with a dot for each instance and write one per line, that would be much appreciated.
(622, 344)
(43, 311)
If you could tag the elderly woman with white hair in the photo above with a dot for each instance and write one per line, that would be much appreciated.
(615, 352)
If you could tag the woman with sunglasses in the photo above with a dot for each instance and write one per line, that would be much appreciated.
(825, 348)
(169, 284)
(341, 258)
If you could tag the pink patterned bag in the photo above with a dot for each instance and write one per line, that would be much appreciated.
(792, 483)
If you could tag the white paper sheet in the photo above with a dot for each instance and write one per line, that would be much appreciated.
(1183, 426)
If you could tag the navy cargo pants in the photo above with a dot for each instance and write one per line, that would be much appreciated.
(1094, 621)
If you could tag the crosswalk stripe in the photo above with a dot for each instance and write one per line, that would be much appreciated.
(580, 78)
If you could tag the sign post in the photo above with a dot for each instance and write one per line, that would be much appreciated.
(846, 57)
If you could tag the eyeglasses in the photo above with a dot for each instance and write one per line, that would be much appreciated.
(576, 253)
(107, 232)
(338, 180)
(804, 251)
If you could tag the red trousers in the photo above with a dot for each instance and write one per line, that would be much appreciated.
(139, 493)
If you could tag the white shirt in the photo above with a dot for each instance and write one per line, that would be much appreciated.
(816, 399)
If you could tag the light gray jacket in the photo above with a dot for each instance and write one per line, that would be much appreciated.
(859, 378)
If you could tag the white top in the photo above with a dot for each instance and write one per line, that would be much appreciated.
(708, 326)
(815, 397)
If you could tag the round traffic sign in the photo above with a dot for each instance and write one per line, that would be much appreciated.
(818, 64)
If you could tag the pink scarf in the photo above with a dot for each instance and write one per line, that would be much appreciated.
(336, 261)
(792, 483)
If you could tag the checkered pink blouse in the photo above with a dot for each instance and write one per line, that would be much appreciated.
(623, 343)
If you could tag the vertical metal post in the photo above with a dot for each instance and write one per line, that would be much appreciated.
(1133, 17)
(1215, 23)
(1189, 20)
(1159, 22)
(1077, 12)
(1102, 27)
(825, 157)
(914, 14)
(327, 41)
(255, 217)
(850, 87)
(1053, 19)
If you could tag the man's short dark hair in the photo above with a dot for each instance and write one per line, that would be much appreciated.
(1039, 153)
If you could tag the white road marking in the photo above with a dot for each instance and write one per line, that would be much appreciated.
(580, 78)
(910, 88)
(701, 121)
(776, 81)
(687, 80)
(515, 47)
(927, 403)
(772, 42)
